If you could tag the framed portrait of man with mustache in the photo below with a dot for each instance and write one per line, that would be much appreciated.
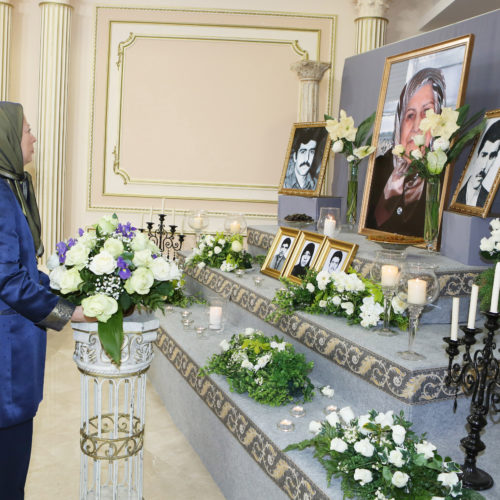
(305, 160)
(479, 181)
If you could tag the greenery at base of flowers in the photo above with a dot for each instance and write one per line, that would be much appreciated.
(259, 260)
(347, 295)
(220, 251)
(489, 249)
(377, 456)
(267, 368)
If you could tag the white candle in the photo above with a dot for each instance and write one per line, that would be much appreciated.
(142, 220)
(215, 317)
(390, 275)
(197, 222)
(329, 228)
(163, 205)
(496, 288)
(471, 322)
(417, 291)
(150, 214)
(235, 227)
(173, 216)
(454, 318)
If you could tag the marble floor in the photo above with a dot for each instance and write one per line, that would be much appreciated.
(172, 469)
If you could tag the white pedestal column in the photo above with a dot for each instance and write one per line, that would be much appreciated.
(371, 24)
(113, 404)
(52, 106)
(5, 31)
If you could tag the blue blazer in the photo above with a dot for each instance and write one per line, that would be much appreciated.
(25, 300)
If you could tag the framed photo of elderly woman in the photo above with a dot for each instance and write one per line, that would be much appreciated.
(281, 248)
(428, 78)
(335, 255)
(479, 181)
(305, 160)
(303, 256)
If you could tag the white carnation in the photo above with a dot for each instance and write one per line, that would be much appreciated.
(224, 344)
(315, 426)
(426, 449)
(364, 447)
(385, 419)
(337, 444)
(398, 434)
(310, 287)
(217, 250)
(327, 391)
(347, 414)
(396, 458)
(333, 418)
(448, 478)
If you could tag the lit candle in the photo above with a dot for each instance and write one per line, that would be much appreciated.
(454, 318)
(163, 205)
(235, 227)
(417, 291)
(390, 275)
(197, 222)
(215, 317)
(496, 288)
(471, 322)
(150, 214)
(286, 422)
(329, 228)
(298, 408)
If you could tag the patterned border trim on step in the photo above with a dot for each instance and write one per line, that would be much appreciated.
(450, 284)
(411, 387)
(265, 452)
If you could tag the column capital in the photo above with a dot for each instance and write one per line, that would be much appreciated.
(310, 70)
(62, 3)
(371, 8)
(8, 3)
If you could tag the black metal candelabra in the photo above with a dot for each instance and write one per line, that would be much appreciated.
(168, 241)
(478, 375)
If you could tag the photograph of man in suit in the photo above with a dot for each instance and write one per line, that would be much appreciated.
(474, 191)
(280, 257)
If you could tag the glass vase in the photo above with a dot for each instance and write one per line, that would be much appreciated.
(352, 196)
(431, 223)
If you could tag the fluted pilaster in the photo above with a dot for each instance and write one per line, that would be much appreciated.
(310, 74)
(52, 111)
(5, 31)
(371, 24)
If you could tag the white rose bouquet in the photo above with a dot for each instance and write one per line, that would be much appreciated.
(379, 457)
(221, 251)
(109, 270)
(267, 368)
(489, 250)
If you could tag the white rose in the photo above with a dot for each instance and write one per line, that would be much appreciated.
(315, 426)
(107, 224)
(163, 270)
(88, 239)
(348, 307)
(419, 140)
(217, 250)
(487, 244)
(426, 449)
(114, 247)
(53, 261)
(322, 303)
(495, 224)
(102, 263)
(278, 346)
(140, 282)
(333, 418)
(327, 391)
(338, 444)
(55, 277)
(351, 158)
(364, 419)
(338, 146)
(398, 150)
(70, 280)
(448, 478)
(201, 265)
(346, 414)
(99, 306)
(77, 255)
(396, 458)
(210, 253)
(364, 447)
(417, 154)
(441, 143)
(224, 345)
(236, 246)
(247, 364)
(385, 419)
(364, 476)
(222, 242)
(310, 287)
(336, 300)
(142, 258)
(398, 434)
(399, 479)
(139, 242)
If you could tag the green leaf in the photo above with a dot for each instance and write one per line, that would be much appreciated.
(456, 149)
(111, 336)
(387, 474)
(125, 301)
(363, 130)
(327, 117)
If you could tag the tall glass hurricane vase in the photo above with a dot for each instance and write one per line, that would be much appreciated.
(431, 223)
(352, 196)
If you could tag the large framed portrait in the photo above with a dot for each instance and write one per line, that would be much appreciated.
(335, 256)
(479, 181)
(281, 248)
(429, 78)
(306, 159)
(304, 255)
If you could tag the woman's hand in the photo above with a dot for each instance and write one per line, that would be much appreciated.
(79, 317)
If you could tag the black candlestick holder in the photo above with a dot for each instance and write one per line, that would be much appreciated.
(168, 241)
(479, 377)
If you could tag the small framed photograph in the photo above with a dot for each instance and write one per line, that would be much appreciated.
(335, 256)
(305, 160)
(304, 255)
(281, 248)
(479, 181)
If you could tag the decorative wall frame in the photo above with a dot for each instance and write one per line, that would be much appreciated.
(430, 77)
(335, 255)
(281, 248)
(480, 178)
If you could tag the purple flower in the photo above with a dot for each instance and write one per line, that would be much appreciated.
(71, 242)
(121, 263)
(125, 273)
(126, 229)
(154, 256)
(80, 232)
(61, 249)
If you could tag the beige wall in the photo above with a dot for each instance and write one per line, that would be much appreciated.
(24, 87)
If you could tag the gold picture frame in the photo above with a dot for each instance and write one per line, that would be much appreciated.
(335, 255)
(307, 246)
(310, 145)
(277, 255)
(393, 206)
(482, 170)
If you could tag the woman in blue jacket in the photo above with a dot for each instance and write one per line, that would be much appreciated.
(27, 307)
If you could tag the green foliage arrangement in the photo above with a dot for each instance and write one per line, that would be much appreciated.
(489, 250)
(220, 251)
(347, 295)
(378, 456)
(267, 368)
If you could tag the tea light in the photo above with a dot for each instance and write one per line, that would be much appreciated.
(390, 275)
(215, 317)
(329, 228)
(417, 292)
(239, 272)
(185, 314)
(297, 411)
(200, 332)
(234, 227)
(286, 425)
(169, 309)
(186, 323)
(328, 409)
(258, 280)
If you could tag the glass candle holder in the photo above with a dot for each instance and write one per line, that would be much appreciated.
(197, 220)
(201, 332)
(297, 411)
(187, 323)
(329, 221)
(329, 409)
(185, 314)
(216, 313)
(239, 273)
(258, 280)
(286, 425)
(235, 223)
